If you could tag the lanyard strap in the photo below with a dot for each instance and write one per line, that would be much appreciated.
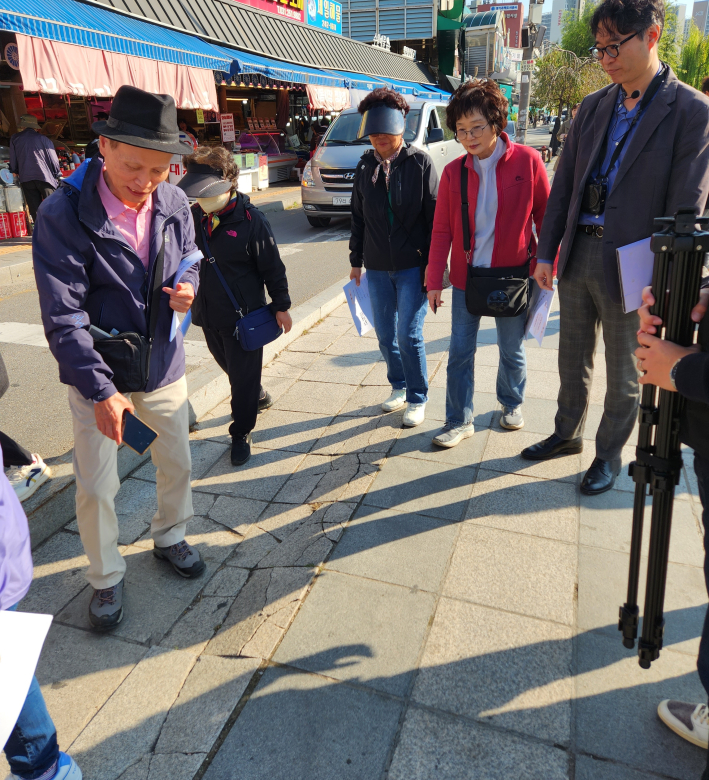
(647, 97)
(157, 290)
(464, 205)
(213, 262)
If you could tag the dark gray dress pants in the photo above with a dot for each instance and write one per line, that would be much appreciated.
(585, 308)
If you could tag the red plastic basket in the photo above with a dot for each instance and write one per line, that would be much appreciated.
(18, 224)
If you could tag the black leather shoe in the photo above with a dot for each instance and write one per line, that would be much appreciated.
(264, 401)
(600, 477)
(553, 446)
(240, 450)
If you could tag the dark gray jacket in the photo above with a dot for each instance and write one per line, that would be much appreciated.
(665, 166)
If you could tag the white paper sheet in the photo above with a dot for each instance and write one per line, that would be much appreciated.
(22, 635)
(538, 313)
(185, 263)
(635, 263)
(359, 303)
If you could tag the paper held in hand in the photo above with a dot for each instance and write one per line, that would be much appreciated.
(635, 264)
(359, 303)
(22, 635)
(538, 313)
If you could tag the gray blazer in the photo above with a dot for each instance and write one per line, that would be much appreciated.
(665, 166)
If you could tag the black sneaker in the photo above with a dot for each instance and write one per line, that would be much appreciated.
(265, 401)
(240, 450)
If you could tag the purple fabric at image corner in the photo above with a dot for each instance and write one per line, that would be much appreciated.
(34, 157)
(15, 551)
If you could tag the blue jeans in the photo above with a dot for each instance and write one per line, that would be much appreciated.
(460, 382)
(399, 308)
(32, 747)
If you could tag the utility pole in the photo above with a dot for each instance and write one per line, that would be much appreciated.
(532, 37)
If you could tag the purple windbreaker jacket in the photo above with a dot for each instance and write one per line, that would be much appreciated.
(87, 274)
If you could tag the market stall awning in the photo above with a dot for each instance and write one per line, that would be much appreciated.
(359, 80)
(67, 21)
(242, 62)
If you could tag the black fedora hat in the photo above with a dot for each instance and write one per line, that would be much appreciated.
(203, 181)
(140, 118)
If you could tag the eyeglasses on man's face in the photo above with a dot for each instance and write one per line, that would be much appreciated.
(612, 50)
(474, 132)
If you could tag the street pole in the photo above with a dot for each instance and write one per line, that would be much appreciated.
(523, 110)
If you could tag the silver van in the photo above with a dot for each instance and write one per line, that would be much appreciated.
(327, 178)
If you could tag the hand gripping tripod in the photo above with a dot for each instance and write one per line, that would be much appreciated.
(679, 249)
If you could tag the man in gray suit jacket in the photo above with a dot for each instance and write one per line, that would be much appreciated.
(643, 142)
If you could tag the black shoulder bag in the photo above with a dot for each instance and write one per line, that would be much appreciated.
(254, 329)
(128, 354)
(491, 292)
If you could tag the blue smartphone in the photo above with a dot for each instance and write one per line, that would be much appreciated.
(136, 434)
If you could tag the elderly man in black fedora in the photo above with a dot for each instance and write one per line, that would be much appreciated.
(106, 254)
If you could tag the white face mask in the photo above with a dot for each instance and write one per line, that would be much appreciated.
(217, 203)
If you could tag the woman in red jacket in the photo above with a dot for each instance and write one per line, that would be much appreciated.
(508, 189)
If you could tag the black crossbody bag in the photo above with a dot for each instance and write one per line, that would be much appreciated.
(128, 354)
(492, 292)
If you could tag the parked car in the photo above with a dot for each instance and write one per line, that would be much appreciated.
(328, 177)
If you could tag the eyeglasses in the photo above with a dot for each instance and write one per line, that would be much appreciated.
(612, 50)
(475, 132)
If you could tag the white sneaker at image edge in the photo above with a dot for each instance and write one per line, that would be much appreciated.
(449, 435)
(26, 479)
(689, 720)
(395, 401)
(414, 415)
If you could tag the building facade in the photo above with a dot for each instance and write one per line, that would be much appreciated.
(398, 20)
(699, 15)
(514, 16)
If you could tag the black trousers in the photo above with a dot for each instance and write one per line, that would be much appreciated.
(14, 454)
(701, 469)
(244, 371)
(35, 193)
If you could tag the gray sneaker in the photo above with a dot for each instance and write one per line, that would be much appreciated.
(450, 435)
(106, 607)
(184, 558)
(512, 418)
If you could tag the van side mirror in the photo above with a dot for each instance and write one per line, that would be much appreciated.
(435, 135)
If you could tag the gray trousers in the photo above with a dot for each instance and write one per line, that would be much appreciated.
(585, 308)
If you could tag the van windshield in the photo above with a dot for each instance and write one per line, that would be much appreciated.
(345, 128)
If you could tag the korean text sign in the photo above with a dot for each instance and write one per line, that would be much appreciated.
(325, 14)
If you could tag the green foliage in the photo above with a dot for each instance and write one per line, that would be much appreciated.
(576, 33)
(670, 42)
(561, 78)
(694, 59)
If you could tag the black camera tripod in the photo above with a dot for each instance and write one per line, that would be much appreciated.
(679, 250)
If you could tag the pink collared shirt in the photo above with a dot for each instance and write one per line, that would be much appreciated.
(133, 225)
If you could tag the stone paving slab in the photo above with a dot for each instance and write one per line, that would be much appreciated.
(375, 608)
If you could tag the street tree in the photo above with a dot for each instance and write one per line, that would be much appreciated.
(576, 35)
(561, 78)
(694, 60)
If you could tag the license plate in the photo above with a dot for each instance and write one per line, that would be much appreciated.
(344, 200)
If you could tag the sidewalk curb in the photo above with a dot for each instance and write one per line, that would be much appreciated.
(53, 505)
(15, 272)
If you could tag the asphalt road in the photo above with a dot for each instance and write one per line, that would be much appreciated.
(34, 411)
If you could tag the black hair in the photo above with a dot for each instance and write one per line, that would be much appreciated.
(385, 96)
(628, 16)
(705, 84)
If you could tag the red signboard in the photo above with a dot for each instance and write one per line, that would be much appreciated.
(290, 9)
(514, 16)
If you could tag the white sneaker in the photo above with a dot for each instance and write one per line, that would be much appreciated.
(451, 435)
(395, 401)
(414, 415)
(67, 769)
(690, 721)
(26, 479)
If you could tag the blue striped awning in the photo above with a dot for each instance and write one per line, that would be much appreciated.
(360, 80)
(244, 62)
(68, 21)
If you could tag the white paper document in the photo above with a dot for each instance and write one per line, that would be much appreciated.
(538, 313)
(22, 635)
(186, 262)
(635, 263)
(359, 303)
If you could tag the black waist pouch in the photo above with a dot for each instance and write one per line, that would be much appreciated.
(128, 356)
(497, 292)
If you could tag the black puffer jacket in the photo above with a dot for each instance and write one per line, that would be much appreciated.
(413, 187)
(244, 246)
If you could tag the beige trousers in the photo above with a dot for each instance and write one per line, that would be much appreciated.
(95, 467)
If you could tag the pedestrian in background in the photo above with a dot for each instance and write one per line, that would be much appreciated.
(238, 241)
(34, 158)
(507, 191)
(105, 254)
(555, 142)
(705, 86)
(637, 149)
(393, 203)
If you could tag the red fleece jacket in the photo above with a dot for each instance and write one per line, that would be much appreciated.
(522, 192)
